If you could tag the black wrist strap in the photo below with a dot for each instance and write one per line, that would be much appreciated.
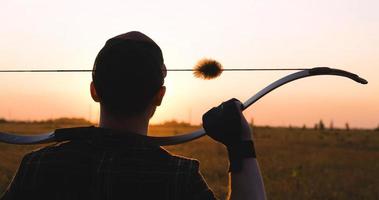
(238, 152)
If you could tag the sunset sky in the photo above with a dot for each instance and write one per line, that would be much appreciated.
(344, 34)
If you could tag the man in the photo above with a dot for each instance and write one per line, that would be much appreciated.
(116, 161)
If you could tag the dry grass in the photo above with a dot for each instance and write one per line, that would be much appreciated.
(296, 164)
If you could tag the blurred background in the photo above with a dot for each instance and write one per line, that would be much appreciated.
(342, 34)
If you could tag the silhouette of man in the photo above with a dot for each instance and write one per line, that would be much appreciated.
(114, 160)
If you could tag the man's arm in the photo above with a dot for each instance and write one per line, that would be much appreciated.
(248, 183)
(227, 125)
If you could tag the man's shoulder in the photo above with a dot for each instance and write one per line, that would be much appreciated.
(181, 161)
(140, 155)
(62, 147)
(58, 153)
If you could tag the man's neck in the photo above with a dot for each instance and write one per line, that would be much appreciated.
(136, 124)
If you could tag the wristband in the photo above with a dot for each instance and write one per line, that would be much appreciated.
(237, 152)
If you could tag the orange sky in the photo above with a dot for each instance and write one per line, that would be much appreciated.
(68, 34)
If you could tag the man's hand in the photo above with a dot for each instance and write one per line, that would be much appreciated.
(226, 123)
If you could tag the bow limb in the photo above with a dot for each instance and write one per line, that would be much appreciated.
(27, 139)
(292, 77)
(172, 140)
(302, 74)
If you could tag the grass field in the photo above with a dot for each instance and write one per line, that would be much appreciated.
(296, 163)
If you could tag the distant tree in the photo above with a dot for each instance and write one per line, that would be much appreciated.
(377, 129)
(304, 127)
(252, 122)
(331, 125)
(2, 120)
(67, 120)
(347, 126)
(184, 124)
(321, 125)
(175, 123)
(171, 123)
(316, 126)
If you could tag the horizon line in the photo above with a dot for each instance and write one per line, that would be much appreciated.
(177, 122)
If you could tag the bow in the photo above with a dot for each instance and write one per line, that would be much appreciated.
(60, 135)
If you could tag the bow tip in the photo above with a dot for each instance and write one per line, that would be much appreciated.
(362, 81)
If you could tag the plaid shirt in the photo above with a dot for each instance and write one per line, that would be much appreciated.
(107, 165)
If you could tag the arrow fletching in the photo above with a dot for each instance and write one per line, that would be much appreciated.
(207, 69)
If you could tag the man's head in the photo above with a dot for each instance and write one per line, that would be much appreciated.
(128, 75)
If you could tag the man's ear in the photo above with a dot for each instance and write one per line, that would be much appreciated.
(159, 96)
(94, 95)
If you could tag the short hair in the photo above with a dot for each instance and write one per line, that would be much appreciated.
(127, 74)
